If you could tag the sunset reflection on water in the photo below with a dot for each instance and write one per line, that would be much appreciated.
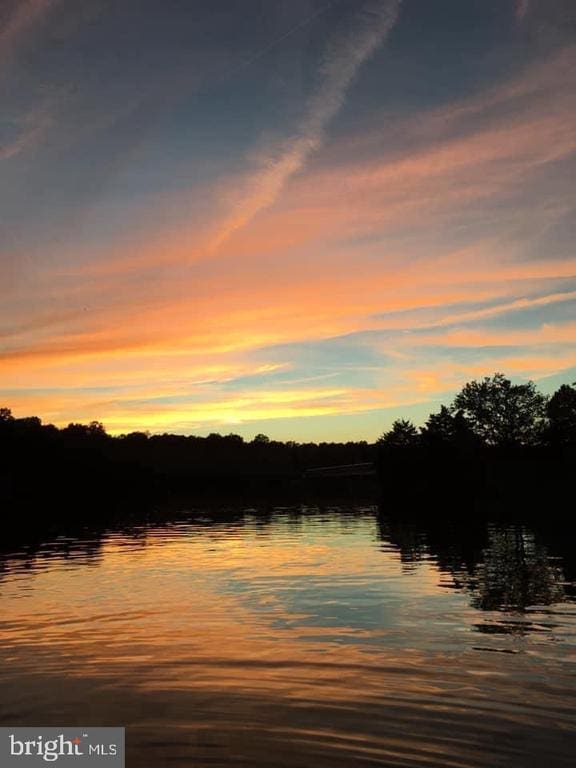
(298, 637)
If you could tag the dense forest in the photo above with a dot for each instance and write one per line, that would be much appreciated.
(496, 437)
(82, 463)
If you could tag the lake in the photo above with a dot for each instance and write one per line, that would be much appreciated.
(301, 637)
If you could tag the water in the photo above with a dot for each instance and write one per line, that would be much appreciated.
(298, 638)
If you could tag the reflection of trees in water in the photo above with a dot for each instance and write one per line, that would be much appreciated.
(407, 537)
(455, 545)
(516, 572)
(506, 567)
(503, 567)
(26, 550)
(81, 548)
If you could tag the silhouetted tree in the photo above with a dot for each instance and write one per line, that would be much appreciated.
(502, 413)
(561, 413)
(96, 429)
(402, 435)
(234, 438)
(446, 429)
(136, 437)
(28, 424)
(452, 456)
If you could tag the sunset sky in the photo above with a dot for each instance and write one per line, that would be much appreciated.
(298, 217)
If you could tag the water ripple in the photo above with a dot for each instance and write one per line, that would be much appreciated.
(295, 638)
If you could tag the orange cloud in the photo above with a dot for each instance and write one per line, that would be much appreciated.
(547, 334)
(205, 407)
(348, 245)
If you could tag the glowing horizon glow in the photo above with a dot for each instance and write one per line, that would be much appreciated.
(309, 245)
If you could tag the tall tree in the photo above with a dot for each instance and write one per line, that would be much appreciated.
(561, 413)
(502, 413)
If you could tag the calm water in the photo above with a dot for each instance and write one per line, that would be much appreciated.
(310, 638)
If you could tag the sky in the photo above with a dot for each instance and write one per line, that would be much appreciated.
(299, 217)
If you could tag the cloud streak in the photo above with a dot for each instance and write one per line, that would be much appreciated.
(423, 246)
(344, 57)
(22, 19)
(33, 128)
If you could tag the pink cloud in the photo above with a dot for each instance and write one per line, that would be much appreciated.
(336, 248)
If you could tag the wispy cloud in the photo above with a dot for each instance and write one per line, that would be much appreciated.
(25, 14)
(421, 249)
(503, 309)
(31, 130)
(368, 29)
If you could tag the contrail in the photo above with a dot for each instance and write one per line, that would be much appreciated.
(296, 28)
(341, 61)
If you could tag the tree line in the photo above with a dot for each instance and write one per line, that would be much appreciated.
(82, 462)
(495, 436)
(494, 412)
